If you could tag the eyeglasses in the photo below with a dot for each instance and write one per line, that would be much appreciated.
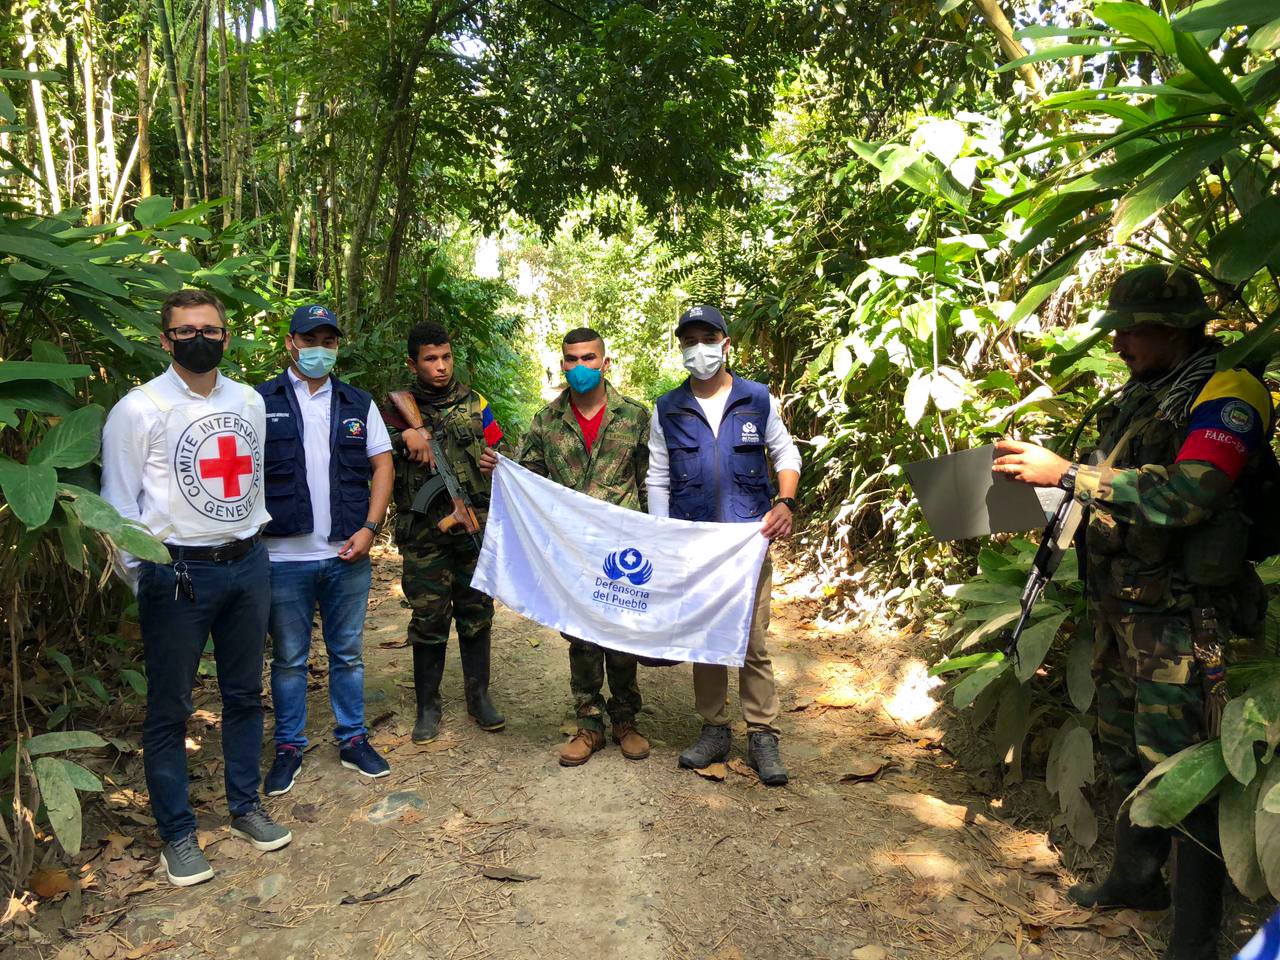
(190, 333)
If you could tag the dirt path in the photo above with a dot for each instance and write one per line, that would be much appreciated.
(880, 847)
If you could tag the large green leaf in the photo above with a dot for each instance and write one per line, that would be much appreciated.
(74, 441)
(60, 801)
(138, 541)
(972, 685)
(1259, 343)
(1267, 831)
(1182, 786)
(1195, 59)
(1249, 244)
(29, 489)
(153, 210)
(1220, 14)
(62, 740)
(1034, 644)
(1141, 23)
(1079, 668)
(1237, 813)
(93, 511)
(1070, 762)
(1047, 282)
(1066, 51)
(1156, 191)
(27, 370)
(1245, 722)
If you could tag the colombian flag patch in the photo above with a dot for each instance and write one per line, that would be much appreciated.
(492, 432)
(1230, 419)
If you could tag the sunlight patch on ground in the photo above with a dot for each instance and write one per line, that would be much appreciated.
(911, 702)
(845, 685)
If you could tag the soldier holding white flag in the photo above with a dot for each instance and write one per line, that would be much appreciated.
(707, 461)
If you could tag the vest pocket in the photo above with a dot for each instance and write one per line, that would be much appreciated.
(751, 484)
(353, 462)
(688, 498)
(278, 467)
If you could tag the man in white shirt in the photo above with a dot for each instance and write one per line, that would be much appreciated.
(707, 461)
(183, 454)
(328, 482)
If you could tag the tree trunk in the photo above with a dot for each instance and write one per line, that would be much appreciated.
(42, 120)
(228, 165)
(144, 99)
(294, 233)
(1009, 45)
(400, 223)
(175, 102)
(244, 159)
(202, 78)
(90, 120)
(111, 161)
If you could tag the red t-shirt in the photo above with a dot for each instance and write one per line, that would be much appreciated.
(590, 428)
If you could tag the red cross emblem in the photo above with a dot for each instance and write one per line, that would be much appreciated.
(227, 466)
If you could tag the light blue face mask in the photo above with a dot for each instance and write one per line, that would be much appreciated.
(582, 379)
(316, 361)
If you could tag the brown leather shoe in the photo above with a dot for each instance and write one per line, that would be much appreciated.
(634, 745)
(579, 750)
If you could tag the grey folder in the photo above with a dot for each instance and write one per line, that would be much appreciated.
(961, 497)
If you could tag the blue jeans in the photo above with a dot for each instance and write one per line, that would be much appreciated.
(231, 603)
(342, 590)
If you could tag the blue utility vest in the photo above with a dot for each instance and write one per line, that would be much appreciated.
(285, 460)
(720, 476)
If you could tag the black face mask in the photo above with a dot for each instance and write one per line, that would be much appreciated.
(198, 354)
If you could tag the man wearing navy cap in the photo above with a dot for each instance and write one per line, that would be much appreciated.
(711, 441)
(328, 482)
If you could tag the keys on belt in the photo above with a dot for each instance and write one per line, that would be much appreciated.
(183, 585)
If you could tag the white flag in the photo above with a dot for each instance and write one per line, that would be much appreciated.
(652, 586)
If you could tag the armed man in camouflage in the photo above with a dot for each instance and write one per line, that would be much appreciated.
(594, 440)
(438, 566)
(1169, 580)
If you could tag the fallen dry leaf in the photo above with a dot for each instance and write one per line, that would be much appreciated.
(393, 644)
(121, 869)
(378, 894)
(19, 911)
(144, 887)
(866, 769)
(103, 946)
(717, 771)
(413, 816)
(381, 718)
(149, 948)
(47, 884)
(207, 838)
(801, 703)
(743, 769)
(1110, 929)
(506, 873)
(305, 812)
(117, 843)
(870, 952)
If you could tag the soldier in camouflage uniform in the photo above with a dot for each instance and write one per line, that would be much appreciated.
(438, 566)
(1169, 582)
(596, 441)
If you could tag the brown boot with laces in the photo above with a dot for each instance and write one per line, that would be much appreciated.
(634, 745)
(579, 750)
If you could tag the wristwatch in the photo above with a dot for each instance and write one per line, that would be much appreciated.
(1068, 479)
(370, 525)
(789, 502)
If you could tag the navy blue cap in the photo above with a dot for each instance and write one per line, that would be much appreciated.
(307, 318)
(703, 313)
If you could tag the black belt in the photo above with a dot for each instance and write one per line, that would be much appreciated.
(222, 553)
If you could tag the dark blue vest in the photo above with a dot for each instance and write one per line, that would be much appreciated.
(285, 460)
(724, 476)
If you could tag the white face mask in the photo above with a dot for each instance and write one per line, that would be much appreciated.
(704, 360)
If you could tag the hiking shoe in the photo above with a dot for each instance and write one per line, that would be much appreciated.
(183, 863)
(762, 754)
(259, 829)
(284, 771)
(358, 754)
(632, 741)
(712, 747)
(579, 750)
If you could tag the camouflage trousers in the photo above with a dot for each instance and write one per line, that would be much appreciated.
(587, 666)
(1150, 698)
(437, 583)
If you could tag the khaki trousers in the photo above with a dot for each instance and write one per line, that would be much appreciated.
(756, 690)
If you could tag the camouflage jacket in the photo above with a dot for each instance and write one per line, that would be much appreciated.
(614, 469)
(1167, 529)
(463, 422)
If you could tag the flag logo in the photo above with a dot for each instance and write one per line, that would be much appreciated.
(630, 564)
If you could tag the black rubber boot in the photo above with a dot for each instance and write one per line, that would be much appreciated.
(428, 668)
(475, 674)
(1198, 878)
(711, 747)
(1135, 879)
(762, 754)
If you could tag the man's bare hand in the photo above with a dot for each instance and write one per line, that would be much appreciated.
(777, 523)
(1029, 463)
(357, 545)
(416, 444)
(488, 462)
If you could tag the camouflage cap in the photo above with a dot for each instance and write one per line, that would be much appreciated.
(1156, 295)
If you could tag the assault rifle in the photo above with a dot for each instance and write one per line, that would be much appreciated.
(1054, 542)
(463, 515)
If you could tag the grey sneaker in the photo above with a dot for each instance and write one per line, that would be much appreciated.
(762, 754)
(711, 747)
(184, 864)
(258, 828)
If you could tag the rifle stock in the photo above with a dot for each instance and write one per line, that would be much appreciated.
(407, 407)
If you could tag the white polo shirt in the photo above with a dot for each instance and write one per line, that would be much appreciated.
(315, 409)
(138, 462)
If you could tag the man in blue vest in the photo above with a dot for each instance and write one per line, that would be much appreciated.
(710, 444)
(328, 482)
